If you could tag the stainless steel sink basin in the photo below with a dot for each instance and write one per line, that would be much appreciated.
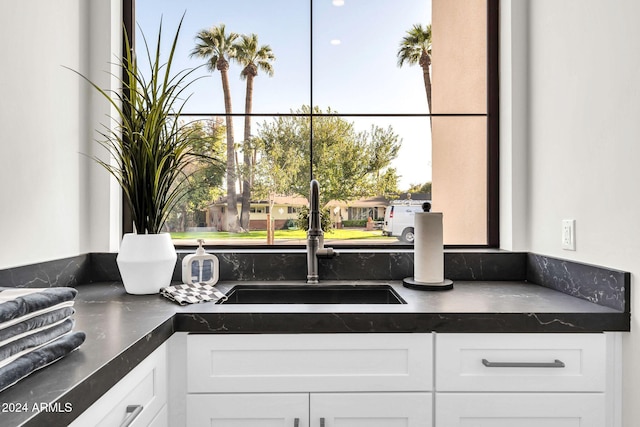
(313, 294)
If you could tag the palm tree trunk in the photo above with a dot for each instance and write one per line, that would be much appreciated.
(247, 155)
(427, 84)
(238, 174)
(232, 198)
(426, 75)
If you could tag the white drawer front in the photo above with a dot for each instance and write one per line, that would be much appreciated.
(144, 386)
(520, 410)
(313, 362)
(520, 362)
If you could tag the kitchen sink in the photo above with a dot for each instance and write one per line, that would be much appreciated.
(313, 294)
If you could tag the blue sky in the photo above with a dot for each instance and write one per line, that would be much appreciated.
(359, 75)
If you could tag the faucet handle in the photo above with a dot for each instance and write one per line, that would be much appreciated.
(327, 253)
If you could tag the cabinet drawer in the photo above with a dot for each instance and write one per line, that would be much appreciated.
(307, 363)
(521, 410)
(145, 386)
(520, 362)
(248, 410)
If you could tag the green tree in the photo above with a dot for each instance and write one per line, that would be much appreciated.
(347, 164)
(383, 147)
(420, 188)
(217, 47)
(253, 58)
(426, 188)
(203, 178)
(415, 48)
(387, 184)
(281, 160)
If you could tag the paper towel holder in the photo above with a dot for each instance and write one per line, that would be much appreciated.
(412, 283)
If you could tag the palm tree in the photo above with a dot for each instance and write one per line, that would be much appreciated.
(216, 46)
(415, 48)
(253, 58)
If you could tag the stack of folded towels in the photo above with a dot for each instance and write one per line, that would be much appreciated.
(36, 329)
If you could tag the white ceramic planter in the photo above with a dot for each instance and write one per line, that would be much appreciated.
(146, 262)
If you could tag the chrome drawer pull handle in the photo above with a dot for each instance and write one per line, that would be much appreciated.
(555, 364)
(296, 422)
(132, 413)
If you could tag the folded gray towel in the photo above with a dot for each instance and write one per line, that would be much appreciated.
(39, 358)
(35, 322)
(20, 302)
(35, 339)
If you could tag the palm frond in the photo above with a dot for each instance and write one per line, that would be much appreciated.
(416, 42)
(249, 53)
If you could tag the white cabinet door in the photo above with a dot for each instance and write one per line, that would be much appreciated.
(371, 410)
(521, 410)
(248, 410)
(136, 399)
(289, 363)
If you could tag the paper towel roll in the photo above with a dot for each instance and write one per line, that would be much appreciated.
(428, 248)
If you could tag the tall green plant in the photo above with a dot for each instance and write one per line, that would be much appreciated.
(150, 147)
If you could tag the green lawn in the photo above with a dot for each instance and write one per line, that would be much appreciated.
(342, 234)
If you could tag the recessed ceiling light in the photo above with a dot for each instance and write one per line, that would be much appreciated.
(335, 42)
(338, 2)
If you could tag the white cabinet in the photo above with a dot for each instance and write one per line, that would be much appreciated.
(388, 380)
(139, 399)
(314, 380)
(519, 409)
(530, 380)
(371, 409)
(521, 362)
(309, 362)
(310, 409)
(248, 410)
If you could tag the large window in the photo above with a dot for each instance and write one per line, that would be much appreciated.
(382, 101)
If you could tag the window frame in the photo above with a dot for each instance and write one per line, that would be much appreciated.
(492, 137)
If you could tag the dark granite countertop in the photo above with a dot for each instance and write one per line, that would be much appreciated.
(123, 329)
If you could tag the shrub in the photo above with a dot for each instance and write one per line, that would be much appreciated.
(354, 223)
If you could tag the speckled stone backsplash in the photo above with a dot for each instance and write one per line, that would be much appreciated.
(599, 285)
(63, 272)
(349, 265)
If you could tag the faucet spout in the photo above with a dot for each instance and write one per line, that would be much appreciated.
(314, 233)
(315, 229)
(315, 236)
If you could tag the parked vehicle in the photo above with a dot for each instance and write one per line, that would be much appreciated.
(398, 219)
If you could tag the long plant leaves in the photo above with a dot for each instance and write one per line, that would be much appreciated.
(150, 146)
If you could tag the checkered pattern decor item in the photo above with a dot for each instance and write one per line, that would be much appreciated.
(193, 293)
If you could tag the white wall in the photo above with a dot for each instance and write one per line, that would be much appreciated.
(580, 141)
(47, 117)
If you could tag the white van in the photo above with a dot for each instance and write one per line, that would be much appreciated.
(398, 219)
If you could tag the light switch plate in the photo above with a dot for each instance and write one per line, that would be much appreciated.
(569, 234)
